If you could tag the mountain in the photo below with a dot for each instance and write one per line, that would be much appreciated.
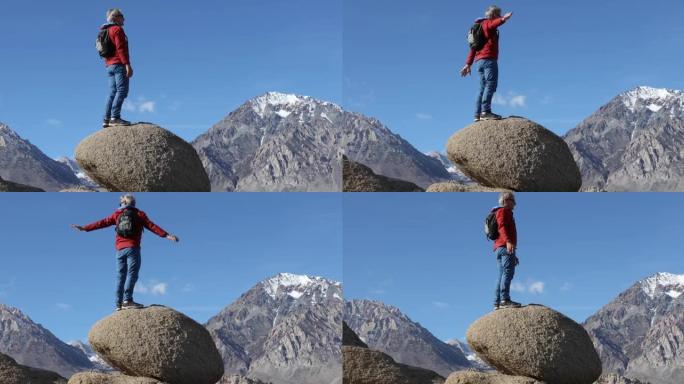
(284, 330)
(78, 172)
(22, 162)
(453, 170)
(98, 363)
(32, 345)
(286, 142)
(386, 329)
(640, 333)
(633, 143)
(469, 354)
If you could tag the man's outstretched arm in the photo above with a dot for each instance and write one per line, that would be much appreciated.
(147, 223)
(106, 222)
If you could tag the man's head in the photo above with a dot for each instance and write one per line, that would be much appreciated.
(493, 12)
(127, 200)
(507, 199)
(115, 16)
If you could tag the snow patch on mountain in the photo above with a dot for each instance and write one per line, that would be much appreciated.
(666, 283)
(655, 97)
(285, 103)
(296, 286)
(76, 169)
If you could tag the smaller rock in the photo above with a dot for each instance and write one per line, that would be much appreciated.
(237, 379)
(451, 186)
(12, 372)
(80, 188)
(349, 337)
(141, 158)
(614, 378)
(366, 366)
(360, 178)
(476, 377)
(8, 186)
(108, 378)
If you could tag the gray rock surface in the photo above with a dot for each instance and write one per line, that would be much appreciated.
(141, 158)
(23, 163)
(638, 333)
(360, 178)
(237, 379)
(451, 186)
(157, 342)
(386, 329)
(13, 373)
(633, 143)
(284, 330)
(514, 153)
(8, 186)
(475, 377)
(284, 142)
(109, 378)
(535, 341)
(350, 338)
(32, 345)
(614, 378)
(366, 366)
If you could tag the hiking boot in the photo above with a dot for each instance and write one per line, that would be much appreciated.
(506, 304)
(118, 121)
(477, 118)
(489, 116)
(496, 306)
(131, 304)
(118, 306)
(105, 123)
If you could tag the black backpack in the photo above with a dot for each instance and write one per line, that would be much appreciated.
(104, 44)
(476, 37)
(491, 226)
(126, 223)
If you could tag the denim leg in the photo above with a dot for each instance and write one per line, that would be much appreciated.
(508, 270)
(133, 269)
(491, 81)
(112, 92)
(497, 292)
(121, 257)
(478, 102)
(121, 81)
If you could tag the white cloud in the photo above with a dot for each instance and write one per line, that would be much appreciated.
(511, 99)
(64, 306)
(536, 288)
(440, 304)
(54, 123)
(517, 287)
(160, 289)
(152, 288)
(142, 105)
(423, 116)
(532, 287)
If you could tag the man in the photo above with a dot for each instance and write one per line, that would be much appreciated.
(118, 68)
(489, 68)
(129, 223)
(504, 249)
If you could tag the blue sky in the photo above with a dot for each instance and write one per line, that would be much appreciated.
(65, 279)
(427, 254)
(559, 61)
(194, 62)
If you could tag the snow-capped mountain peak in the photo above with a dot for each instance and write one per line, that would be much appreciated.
(283, 104)
(297, 285)
(652, 98)
(663, 283)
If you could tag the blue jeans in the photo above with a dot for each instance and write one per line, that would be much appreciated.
(118, 85)
(506, 263)
(128, 260)
(489, 79)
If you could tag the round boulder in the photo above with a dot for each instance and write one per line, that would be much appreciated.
(365, 366)
(475, 377)
(538, 342)
(516, 154)
(357, 177)
(107, 378)
(141, 158)
(451, 186)
(157, 342)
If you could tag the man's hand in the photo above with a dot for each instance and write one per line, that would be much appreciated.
(77, 227)
(465, 70)
(173, 238)
(510, 247)
(508, 15)
(129, 71)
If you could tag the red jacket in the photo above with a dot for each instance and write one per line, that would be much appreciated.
(120, 41)
(506, 224)
(122, 242)
(491, 47)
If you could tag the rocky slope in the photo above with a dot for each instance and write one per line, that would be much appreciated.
(284, 330)
(386, 329)
(98, 363)
(640, 334)
(84, 180)
(22, 162)
(633, 143)
(32, 345)
(285, 142)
